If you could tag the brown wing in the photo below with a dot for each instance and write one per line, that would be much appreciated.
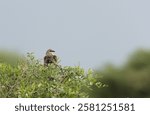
(55, 58)
(48, 60)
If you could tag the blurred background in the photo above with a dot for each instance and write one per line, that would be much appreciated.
(129, 80)
(111, 37)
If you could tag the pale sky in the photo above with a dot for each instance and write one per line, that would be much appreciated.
(82, 32)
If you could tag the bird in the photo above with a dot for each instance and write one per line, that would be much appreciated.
(50, 57)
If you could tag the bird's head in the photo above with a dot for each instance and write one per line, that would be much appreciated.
(50, 51)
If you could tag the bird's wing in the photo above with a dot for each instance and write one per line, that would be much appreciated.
(55, 58)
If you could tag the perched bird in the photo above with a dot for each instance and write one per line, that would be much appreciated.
(50, 57)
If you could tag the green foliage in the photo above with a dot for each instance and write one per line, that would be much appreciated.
(130, 80)
(26, 77)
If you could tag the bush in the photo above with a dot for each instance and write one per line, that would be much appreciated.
(26, 77)
(130, 80)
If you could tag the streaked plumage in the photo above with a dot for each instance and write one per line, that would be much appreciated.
(50, 57)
